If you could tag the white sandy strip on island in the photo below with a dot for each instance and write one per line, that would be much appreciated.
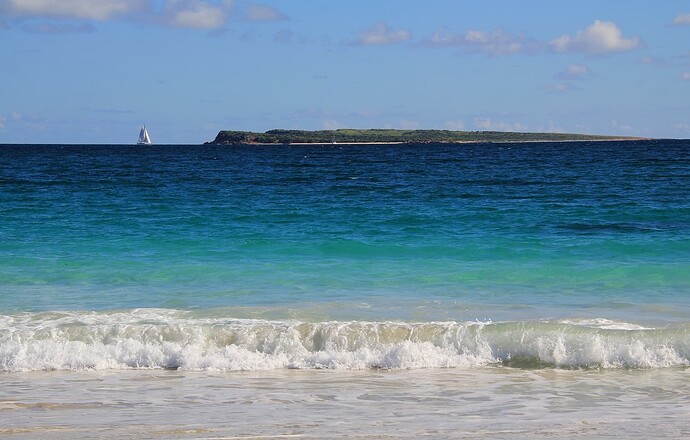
(531, 141)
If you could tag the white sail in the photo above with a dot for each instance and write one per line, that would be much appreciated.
(144, 138)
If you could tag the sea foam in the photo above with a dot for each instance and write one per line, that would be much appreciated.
(171, 339)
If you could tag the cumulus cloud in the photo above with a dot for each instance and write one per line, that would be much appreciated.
(600, 37)
(381, 34)
(685, 76)
(72, 9)
(682, 20)
(498, 42)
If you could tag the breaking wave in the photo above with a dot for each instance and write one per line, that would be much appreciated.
(173, 339)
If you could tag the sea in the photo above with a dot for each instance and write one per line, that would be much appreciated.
(478, 290)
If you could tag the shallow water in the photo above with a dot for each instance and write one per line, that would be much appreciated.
(439, 403)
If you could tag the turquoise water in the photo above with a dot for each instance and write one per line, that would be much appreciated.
(348, 257)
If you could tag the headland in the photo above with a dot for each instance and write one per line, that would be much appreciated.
(395, 136)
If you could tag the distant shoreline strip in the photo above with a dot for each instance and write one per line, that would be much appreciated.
(277, 144)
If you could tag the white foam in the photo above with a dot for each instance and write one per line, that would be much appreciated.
(151, 338)
(604, 324)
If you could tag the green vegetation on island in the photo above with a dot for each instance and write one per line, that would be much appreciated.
(371, 136)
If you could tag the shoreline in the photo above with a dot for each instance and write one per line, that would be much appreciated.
(276, 144)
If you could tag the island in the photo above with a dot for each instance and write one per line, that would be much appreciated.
(393, 136)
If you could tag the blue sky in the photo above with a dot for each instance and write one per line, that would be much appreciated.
(93, 71)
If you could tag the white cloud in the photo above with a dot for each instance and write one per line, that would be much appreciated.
(685, 76)
(497, 42)
(682, 20)
(263, 13)
(381, 34)
(197, 14)
(491, 125)
(600, 37)
(73, 9)
(191, 14)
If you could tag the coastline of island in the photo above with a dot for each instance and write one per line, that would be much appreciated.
(397, 137)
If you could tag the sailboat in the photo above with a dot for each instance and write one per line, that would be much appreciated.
(144, 138)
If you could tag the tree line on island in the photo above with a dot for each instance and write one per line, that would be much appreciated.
(365, 136)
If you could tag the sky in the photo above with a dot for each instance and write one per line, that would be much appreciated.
(94, 71)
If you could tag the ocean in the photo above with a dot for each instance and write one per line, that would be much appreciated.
(517, 290)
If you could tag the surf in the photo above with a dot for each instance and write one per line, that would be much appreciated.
(174, 339)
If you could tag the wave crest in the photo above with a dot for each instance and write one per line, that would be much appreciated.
(175, 339)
